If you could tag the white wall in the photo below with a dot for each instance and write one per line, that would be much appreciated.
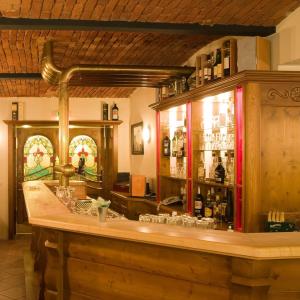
(286, 42)
(145, 164)
(46, 109)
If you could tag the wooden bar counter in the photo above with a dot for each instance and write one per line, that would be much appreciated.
(77, 257)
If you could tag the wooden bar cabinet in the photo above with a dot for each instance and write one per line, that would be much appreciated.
(252, 122)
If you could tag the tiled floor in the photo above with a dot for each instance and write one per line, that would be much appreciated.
(12, 281)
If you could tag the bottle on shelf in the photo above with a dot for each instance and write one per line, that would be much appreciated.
(230, 167)
(208, 207)
(224, 206)
(174, 145)
(213, 165)
(115, 112)
(166, 146)
(219, 172)
(217, 210)
(198, 207)
(201, 170)
(180, 144)
(229, 207)
(215, 66)
(219, 64)
(226, 51)
(207, 70)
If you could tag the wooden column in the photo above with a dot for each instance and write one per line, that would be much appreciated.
(250, 279)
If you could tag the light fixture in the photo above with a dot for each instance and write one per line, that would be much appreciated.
(146, 134)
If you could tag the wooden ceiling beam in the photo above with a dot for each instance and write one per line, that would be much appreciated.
(33, 76)
(145, 27)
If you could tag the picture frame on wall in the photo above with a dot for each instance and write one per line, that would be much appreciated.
(137, 143)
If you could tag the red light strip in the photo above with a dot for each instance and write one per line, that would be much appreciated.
(158, 155)
(189, 156)
(239, 156)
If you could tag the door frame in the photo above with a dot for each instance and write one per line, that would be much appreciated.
(11, 159)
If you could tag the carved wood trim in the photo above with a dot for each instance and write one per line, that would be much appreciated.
(283, 96)
(230, 83)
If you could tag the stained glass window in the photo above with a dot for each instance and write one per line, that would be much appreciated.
(83, 155)
(38, 158)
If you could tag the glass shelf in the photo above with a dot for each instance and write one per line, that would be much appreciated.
(173, 178)
(216, 149)
(215, 129)
(214, 184)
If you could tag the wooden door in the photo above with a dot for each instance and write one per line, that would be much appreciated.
(34, 161)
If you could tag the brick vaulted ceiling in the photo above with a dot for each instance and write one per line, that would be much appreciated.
(20, 48)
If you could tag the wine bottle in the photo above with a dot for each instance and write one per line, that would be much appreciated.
(215, 67)
(229, 207)
(219, 64)
(226, 47)
(174, 145)
(207, 70)
(180, 144)
(201, 170)
(199, 204)
(115, 113)
(166, 146)
(219, 172)
(208, 208)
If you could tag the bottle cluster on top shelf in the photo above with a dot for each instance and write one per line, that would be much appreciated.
(220, 63)
(212, 167)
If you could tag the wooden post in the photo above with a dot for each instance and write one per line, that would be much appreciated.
(250, 279)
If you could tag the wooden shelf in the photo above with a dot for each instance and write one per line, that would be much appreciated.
(173, 178)
(214, 184)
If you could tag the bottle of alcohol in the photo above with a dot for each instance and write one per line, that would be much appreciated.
(207, 70)
(229, 207)
(219, 64)
(208, 208)
(224, 206)
(215, 68)
(166, 146)
(183, 197)
(213, 166)
(115, 113)
(219, 172)
(180, 144)
(199, 204)
(174, 145)
(201, 170)
(229, 168)
(226, 49)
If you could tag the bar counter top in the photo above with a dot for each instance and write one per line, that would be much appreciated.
(45, 210)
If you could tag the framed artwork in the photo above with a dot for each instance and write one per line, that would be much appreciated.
(137, 143)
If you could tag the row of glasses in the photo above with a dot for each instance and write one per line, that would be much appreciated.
(180, 220)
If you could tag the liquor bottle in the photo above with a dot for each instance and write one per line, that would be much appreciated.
(104, 111)
(15, 111)
(226, 47)
(115, 113)
(207, 70)
(229, 168)
(208, 207)
(229, 207)
(215, 67)
(174, 145)
(199, 204)
(166, 146)
(219, 172)
(224, 206)
(217, 206)
(180, 144)
(219, 64)
(201, 170)
(213, 166)
(183, 197)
